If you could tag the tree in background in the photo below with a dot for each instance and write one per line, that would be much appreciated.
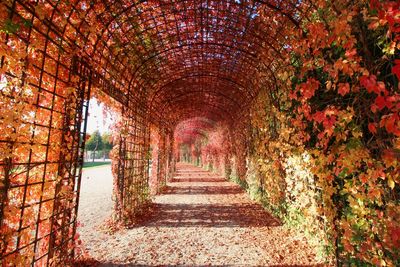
(107, 144)
(94, 143)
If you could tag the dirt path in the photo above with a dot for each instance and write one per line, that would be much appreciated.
(95, 204)
(202, 219)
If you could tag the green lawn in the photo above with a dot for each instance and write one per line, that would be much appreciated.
(95, 164)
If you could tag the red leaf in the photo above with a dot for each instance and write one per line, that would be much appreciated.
(380, 101)
(374, 108)
(344, 88)
(374, 4)
(308, 88)
(390, 125)
(351, 53)
(319, 116)
(396, 68)
(372, 128)
(369, 82)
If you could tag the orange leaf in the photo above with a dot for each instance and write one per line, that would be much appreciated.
(344, 88)
(372, 128)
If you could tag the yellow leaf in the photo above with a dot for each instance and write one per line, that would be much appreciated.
(391, 182)
(328, 85)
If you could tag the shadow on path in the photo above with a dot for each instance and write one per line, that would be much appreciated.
(193, 181)
(201, 219)
(211, 215)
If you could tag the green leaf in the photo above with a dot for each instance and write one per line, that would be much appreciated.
(10, 27)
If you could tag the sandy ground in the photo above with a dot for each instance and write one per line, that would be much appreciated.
(200, 220)
(95, 203)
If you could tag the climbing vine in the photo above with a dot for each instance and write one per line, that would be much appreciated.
(340, 121)
(309, 121)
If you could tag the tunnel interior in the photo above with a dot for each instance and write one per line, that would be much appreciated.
(192, 80)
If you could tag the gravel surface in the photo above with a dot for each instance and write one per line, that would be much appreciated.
(200, 220)
(95, 203)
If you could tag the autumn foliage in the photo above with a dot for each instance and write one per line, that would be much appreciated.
(323, 145)
(298, 101)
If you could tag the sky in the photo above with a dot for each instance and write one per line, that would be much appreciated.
(96, 119)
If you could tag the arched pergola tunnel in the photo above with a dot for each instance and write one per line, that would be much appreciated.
(204, 81)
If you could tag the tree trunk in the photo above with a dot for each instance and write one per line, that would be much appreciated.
(94, 150)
